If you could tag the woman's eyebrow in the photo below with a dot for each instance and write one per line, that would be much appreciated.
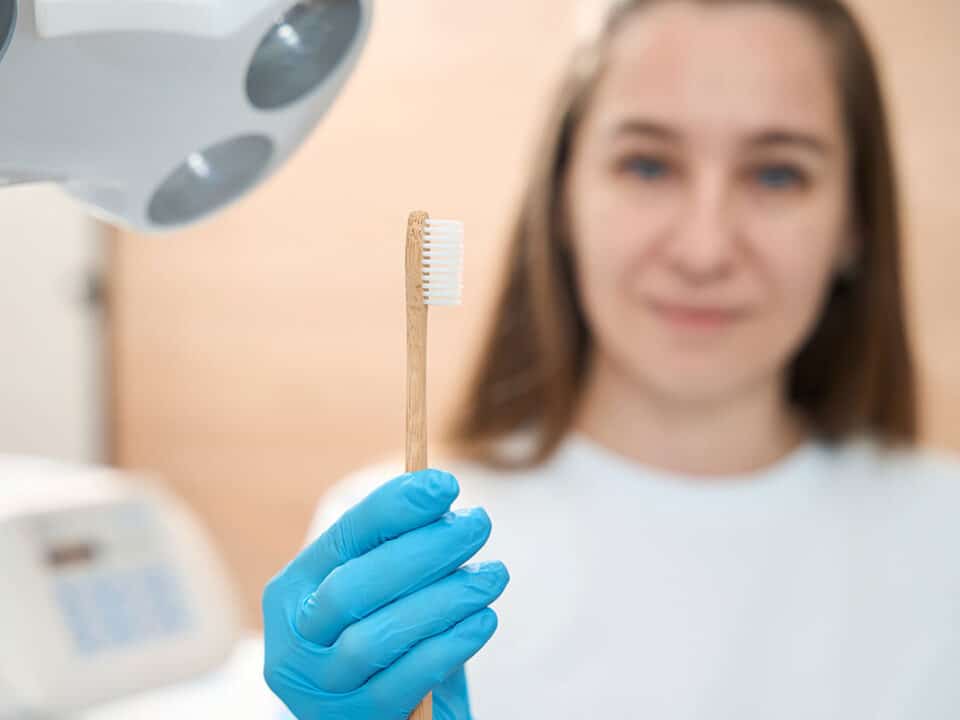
(771, 137)
(778, 137)
(644, 127)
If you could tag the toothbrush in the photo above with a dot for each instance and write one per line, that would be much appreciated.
(434, 271)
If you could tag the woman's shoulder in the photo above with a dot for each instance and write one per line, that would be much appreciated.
(900, 463)
(916, 476)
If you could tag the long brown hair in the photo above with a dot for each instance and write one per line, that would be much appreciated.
(853, 375)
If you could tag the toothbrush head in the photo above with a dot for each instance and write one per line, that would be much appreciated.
(442, 264)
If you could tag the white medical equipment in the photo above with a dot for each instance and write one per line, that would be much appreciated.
(157, 113)
(108, 587)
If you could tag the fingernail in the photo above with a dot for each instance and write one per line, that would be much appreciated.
(471, 514)
(487, 621)
(476, 519)
(493, 576)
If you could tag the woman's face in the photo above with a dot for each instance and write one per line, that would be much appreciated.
(708, 197)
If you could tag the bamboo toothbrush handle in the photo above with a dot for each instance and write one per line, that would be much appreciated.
(416, 449)
(416, 445)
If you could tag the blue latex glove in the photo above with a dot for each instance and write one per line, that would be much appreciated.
(378, 611)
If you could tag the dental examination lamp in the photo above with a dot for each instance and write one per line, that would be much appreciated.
(158, 113)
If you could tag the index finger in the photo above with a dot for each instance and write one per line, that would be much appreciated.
(406, 503)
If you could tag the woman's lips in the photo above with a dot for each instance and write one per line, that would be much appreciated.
(696, 317)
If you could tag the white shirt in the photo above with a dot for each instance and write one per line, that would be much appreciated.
(827, 586)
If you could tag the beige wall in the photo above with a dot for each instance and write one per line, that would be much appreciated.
(260, 357)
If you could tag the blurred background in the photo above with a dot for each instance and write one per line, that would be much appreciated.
(254, 360)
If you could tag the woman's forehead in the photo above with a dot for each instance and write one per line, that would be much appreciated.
(733, 66)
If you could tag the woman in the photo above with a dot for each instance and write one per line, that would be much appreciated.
(692, 422)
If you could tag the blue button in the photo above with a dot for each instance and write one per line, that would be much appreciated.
(70, 598)
(167, 602)
(112, 602)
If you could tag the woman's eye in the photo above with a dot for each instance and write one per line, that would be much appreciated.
(779, 177)
(646, 168)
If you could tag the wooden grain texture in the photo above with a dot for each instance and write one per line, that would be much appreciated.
(416, 416)
(416, 436)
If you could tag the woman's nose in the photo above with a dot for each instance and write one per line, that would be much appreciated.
(703, 245)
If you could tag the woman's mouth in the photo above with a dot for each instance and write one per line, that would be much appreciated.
(696, 317)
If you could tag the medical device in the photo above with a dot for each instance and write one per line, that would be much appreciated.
(108, 586)
(158, 113)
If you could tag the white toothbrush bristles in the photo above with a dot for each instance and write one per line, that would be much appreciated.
(442, 262)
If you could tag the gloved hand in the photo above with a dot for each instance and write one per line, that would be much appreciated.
(378, 611)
